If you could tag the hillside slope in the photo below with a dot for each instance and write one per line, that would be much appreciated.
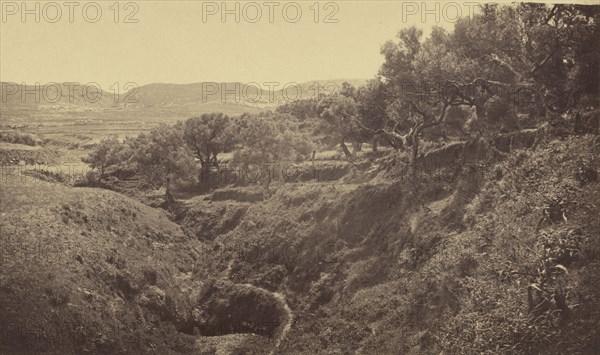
(88, 271)
(496, 257)
(505, 259)
(160, 100)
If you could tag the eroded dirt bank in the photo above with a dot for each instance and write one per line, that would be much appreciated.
(338, 267)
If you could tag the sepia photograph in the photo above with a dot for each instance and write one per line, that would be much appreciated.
(299, 177)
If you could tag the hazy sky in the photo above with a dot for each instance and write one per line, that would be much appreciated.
(187, 41)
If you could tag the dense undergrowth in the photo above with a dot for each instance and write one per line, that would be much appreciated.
(494, 257)
(455, 262)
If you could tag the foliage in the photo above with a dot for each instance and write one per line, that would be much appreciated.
(19, 138)
(510, 56)
(301, 109)
(271, 138)
(209, 135)
(104, 154)
(339, 112)
(114, 157)
(372, 105)
(162, 156)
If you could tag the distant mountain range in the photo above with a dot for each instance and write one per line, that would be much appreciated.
(178, 99)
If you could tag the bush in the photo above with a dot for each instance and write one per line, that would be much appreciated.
(270, 139)
(20, 138)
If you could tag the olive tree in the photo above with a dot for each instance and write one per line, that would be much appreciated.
(163, 156)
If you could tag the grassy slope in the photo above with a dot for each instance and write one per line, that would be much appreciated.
(16, 153)
(87, 270)
(393, 267)
(385, 266)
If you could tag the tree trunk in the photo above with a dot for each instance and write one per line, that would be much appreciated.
(392, 143)
(204, 176)
(266, 176)
(415, 151)
(345, 150)
(169, 199)
(374, 144)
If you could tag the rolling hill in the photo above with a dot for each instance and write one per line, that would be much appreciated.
(160, 100)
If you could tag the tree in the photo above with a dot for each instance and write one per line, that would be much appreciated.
(302, 109)
(424, 79)
(103, 155)
(340, 114)
(163, 156)
(267, 139)
(372, 109)
(490, 62)
(209, 135)
(535, 49)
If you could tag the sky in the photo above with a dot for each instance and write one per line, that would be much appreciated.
(189, 41)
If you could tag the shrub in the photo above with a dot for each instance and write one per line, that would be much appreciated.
(20, 138)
